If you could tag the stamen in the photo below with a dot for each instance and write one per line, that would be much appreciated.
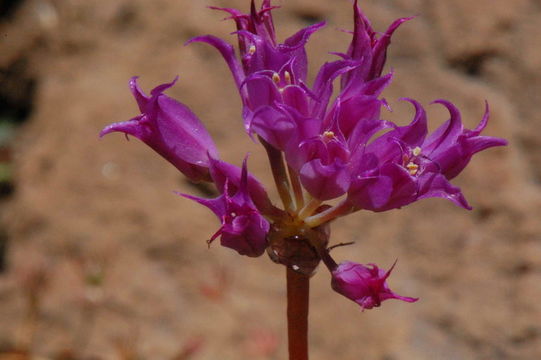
(287, 77)
(405, 159)
(412, 168)
(416, 151)
(251, 50)
(276, 78)
(328, 135)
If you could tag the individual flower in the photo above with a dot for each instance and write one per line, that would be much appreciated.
(263, 62)
(404, 165)
(366, 285)
(369, 48)
(258, 47)
(243, 228)
(171, 129)
(223, 173)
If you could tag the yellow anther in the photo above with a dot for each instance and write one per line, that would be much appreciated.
(276, 78)
(416, 151)
(328, 135)
(251, 50)
(287, 77)
(412, 168)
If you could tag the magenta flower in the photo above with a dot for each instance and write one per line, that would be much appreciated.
(259, 49)
(367, 48)
(264, 64)
(366, 285)
(171, 129)
(223, 172)
(405, 165)
(243, 228)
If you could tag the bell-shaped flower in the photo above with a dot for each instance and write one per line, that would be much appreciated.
(243, 228)
(171, 129)
(368, 48)
(404, 165)
(224, 173)
(366, 285)
(325, 175)
(262, 58)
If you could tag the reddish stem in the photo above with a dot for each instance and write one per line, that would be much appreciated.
(298, 289)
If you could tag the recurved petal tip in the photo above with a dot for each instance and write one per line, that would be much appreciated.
(130, 127)
(365, 285)
(161, 88)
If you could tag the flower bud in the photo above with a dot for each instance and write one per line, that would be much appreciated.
(366, 285)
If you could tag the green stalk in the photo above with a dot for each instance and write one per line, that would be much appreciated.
(297, 188)
(341, 209)
(279, 173)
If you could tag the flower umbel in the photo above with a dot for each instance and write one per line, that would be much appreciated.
(320, 147)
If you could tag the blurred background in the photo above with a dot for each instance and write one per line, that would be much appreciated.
(100, 260)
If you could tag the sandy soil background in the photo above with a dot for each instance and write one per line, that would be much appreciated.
(99, 260)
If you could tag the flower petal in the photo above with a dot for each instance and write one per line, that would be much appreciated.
(223, 172)
(436, 185)
(295, 45)
(325, 182)
(227, 52)
(273, 125)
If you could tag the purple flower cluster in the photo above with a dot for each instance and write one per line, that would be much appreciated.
(320, 147)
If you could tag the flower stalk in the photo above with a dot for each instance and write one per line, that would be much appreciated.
(309, 209)
(341, 209)
(279, 174)
(298, 288)
(296, 187)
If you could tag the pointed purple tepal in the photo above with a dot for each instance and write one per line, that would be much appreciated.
(243, 228)
(171, 129)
